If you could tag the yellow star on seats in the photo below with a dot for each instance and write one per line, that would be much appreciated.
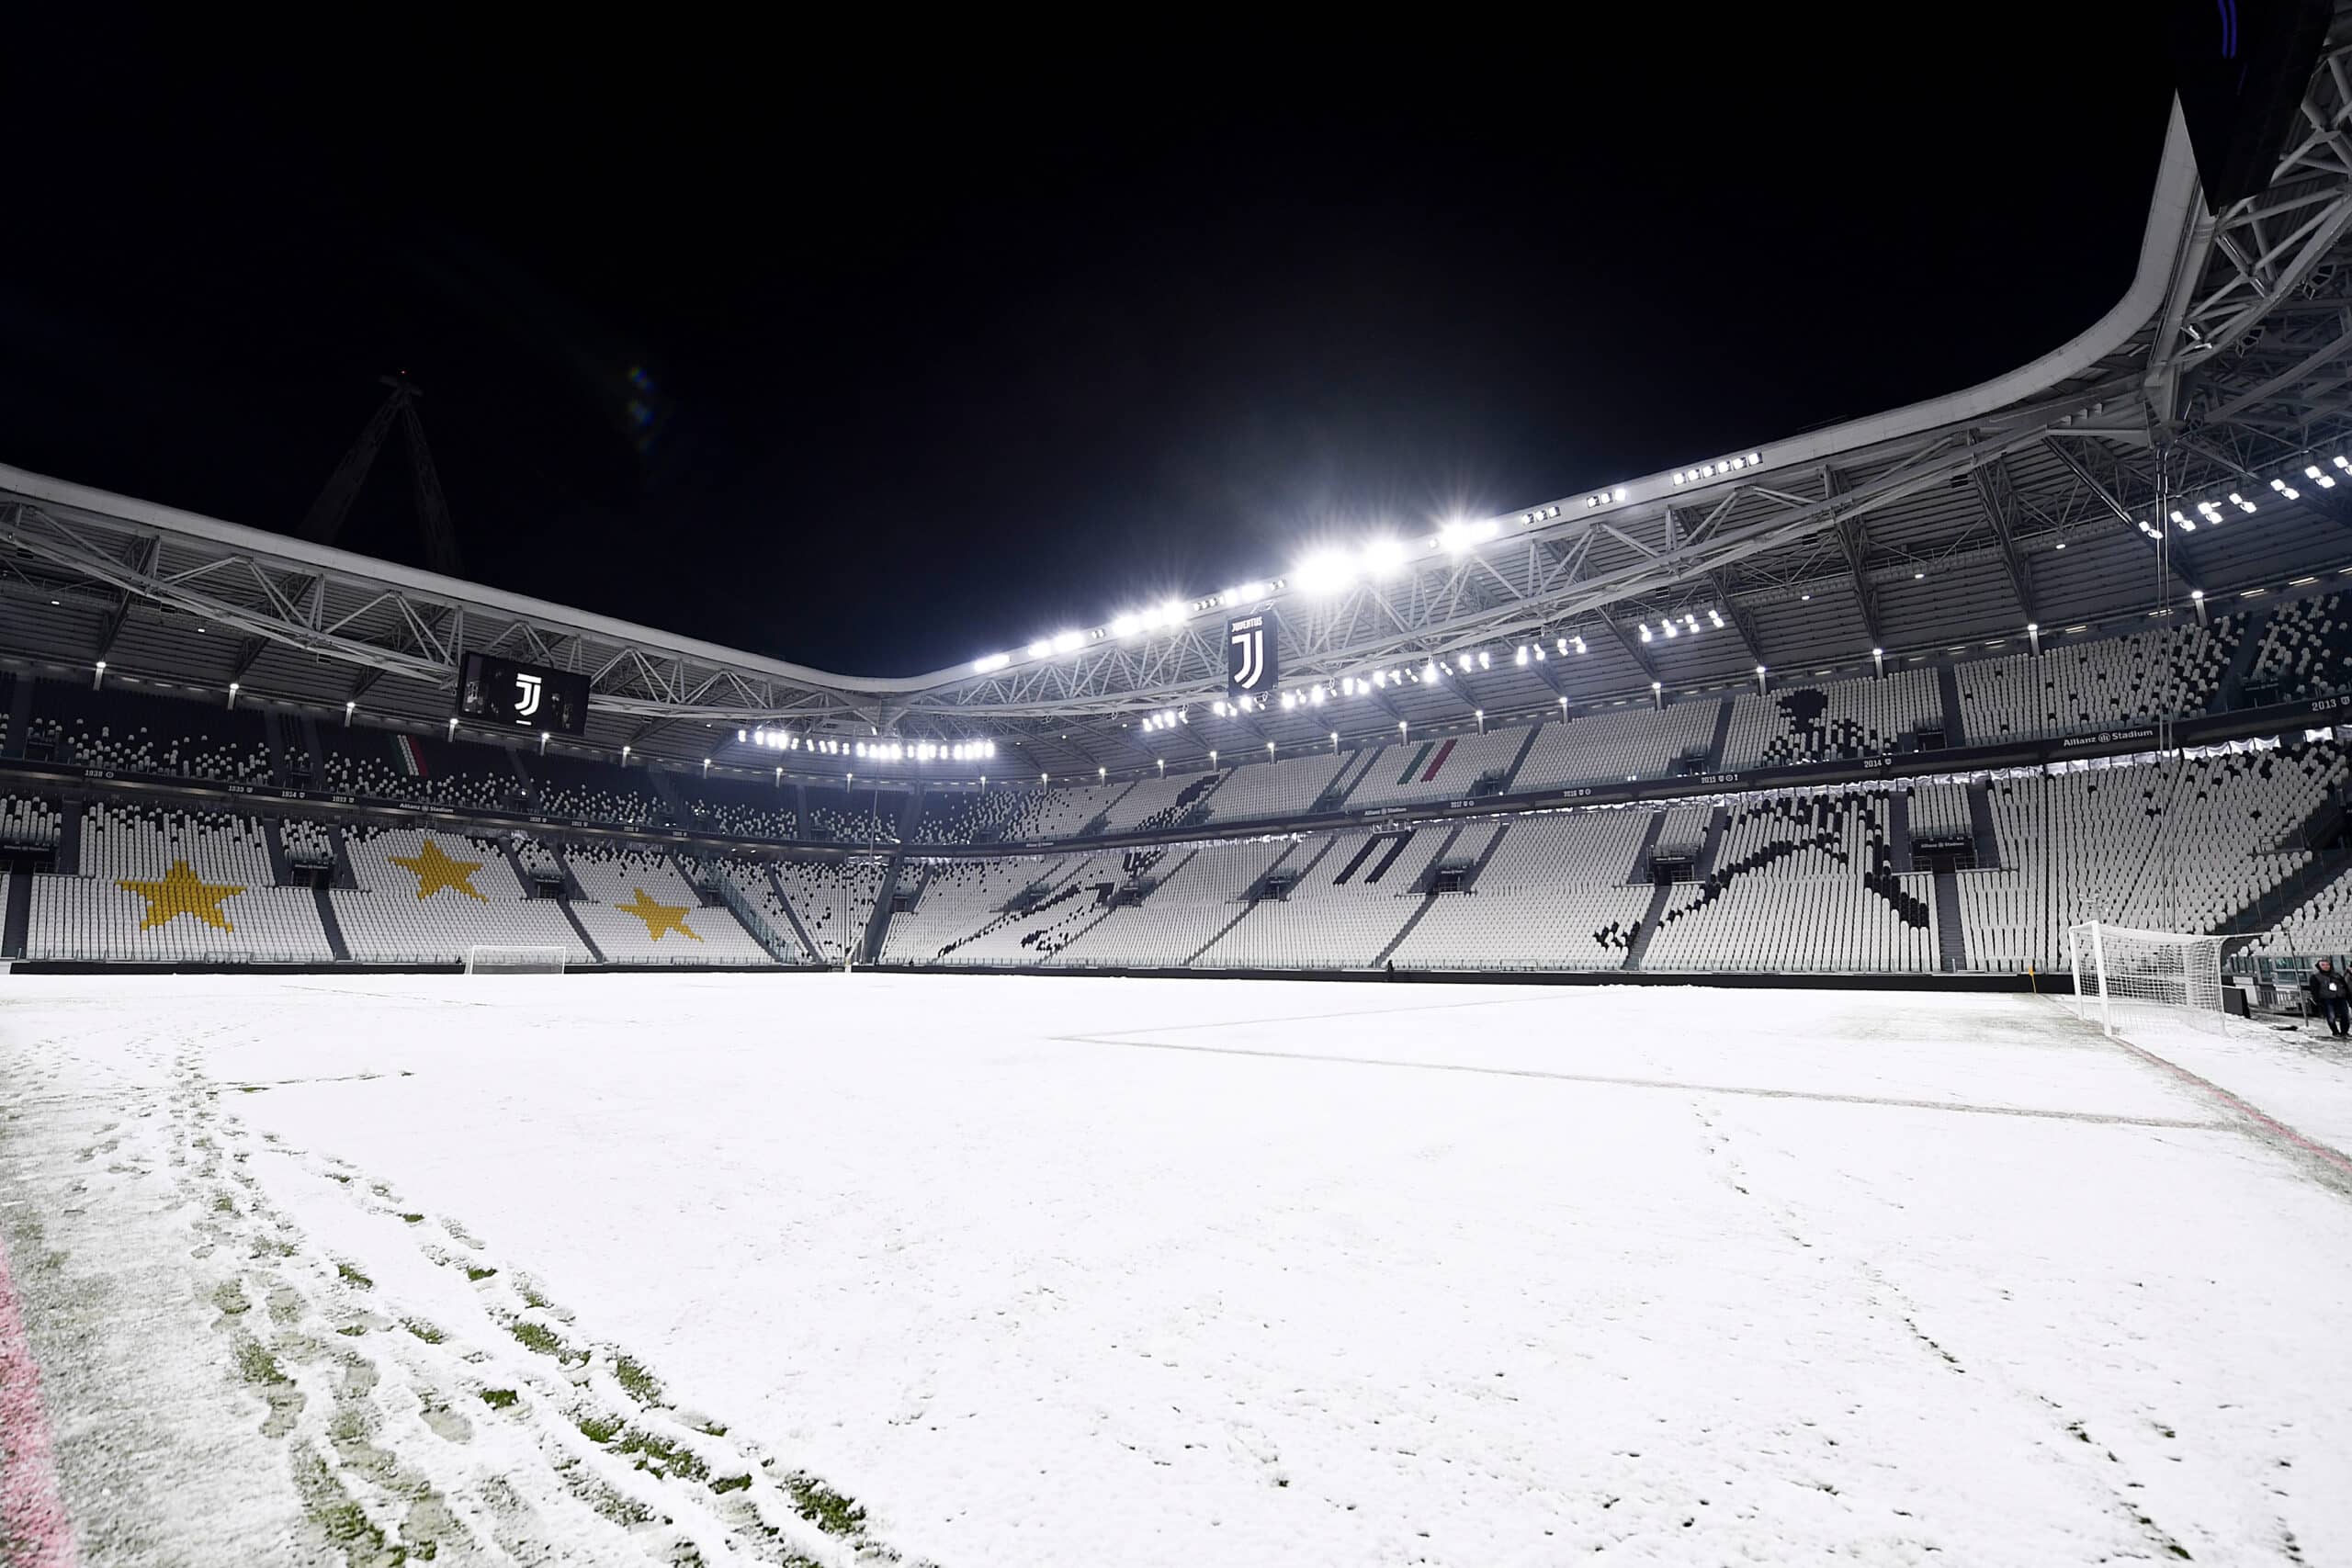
(659, 918)
(434, 870)
(181, 894)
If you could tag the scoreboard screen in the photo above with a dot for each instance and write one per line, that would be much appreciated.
(529, 696)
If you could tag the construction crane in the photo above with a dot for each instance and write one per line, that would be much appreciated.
(326, 516)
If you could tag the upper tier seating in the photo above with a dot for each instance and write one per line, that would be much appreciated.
(1802, 884)
(136, 731)
(638, 908)
(2306, 649)
(1058, 813)
(1157, 803)
(1266, 792)
(835, 900)
(739, 809)
(1634, 742)
(386, 765)
(854, 816)
(426, 897)
(1435, 770)
(161, 887)
(594, 792)
(1835, 720)
(969, 816)
(2098, 684)
(306, 844)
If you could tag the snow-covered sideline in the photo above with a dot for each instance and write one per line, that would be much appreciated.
(1065, 1271)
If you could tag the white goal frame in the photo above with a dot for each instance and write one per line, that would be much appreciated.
(2157, 976)
(494, 959)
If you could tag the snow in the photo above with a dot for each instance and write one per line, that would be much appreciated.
(1065, 1271)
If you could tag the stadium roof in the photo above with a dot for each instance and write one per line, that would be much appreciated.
(2063, 493)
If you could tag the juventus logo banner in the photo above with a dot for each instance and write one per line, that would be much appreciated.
(529, 696)
(1252, 663)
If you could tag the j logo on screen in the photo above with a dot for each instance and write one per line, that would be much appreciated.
(1250, 660)
(527, 695)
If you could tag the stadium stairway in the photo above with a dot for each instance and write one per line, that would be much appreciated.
(315, 751)
(515, 760)
(343, 876)
(273, 843)
(1898, 831)
(273, 739)
(706, 892)
(1494, 842)
(19, 915)
(20, 714)
(1646, 847)
(774, 943)
(573, 915)
(1717, 821)
(1651, 918)
(1980, 824)
(1955, 727)
(878, 924)
(1952, 947)
(667, 793)
(515, 863)
(791, 916)
(1510, 774)
(328, 923)
(1722, 737)
(2231, 690)
(1093, 825)
(69, 839)
(1430, 895)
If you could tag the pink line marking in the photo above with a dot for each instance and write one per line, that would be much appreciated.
(2213, 1091)
(39, 1535)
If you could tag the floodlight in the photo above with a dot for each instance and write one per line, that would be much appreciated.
(1327, 571)
(1484, 659)
(1645, 631)
(1066, 641)
(1429, 670)
(1126, 625)
(1579, 642)
(1617, 494)
(1247, 592)
(1754, 458)
(1382, 557)
(1041, 648)
(1522, 654)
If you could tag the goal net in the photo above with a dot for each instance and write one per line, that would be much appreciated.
(2124, 978)
(516, 960)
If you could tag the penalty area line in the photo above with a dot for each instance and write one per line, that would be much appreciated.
(2335, 1158)
(1752, 1091)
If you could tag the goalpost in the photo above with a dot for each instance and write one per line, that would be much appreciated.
(2123, 974)
(490, 960)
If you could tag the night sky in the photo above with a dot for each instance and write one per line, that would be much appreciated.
(945, 351)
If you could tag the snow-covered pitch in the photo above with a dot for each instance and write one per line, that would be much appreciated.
(1074, 1273)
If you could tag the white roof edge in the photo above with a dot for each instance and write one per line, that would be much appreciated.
(325, 558)
(2170, 214)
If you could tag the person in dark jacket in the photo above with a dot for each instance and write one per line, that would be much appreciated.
(2333, 995)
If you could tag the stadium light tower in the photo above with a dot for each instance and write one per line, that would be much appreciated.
(233, 694)
(1657, 694)
(1761, 690)
(352, 706)
(2033, 634)
(98, 677)
(1877, 660)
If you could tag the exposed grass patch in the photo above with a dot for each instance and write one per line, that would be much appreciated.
(345, 1523)
(477, 1274)
(414, 1219)
(251, 1087)
(256, 1364)
(727, 1484)
(533, 1337)
(423, 1330)
(353, 1276)
(635, 1381)
(224, 1204)
(823, 1507)
(658, 1453)
(230, 1297)
(352, 1330)
(499, 1398)
(600, 1429)
(613, 1506)
(333, 1176)
(530, 1295)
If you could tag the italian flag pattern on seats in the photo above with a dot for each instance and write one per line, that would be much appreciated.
(410, 756)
